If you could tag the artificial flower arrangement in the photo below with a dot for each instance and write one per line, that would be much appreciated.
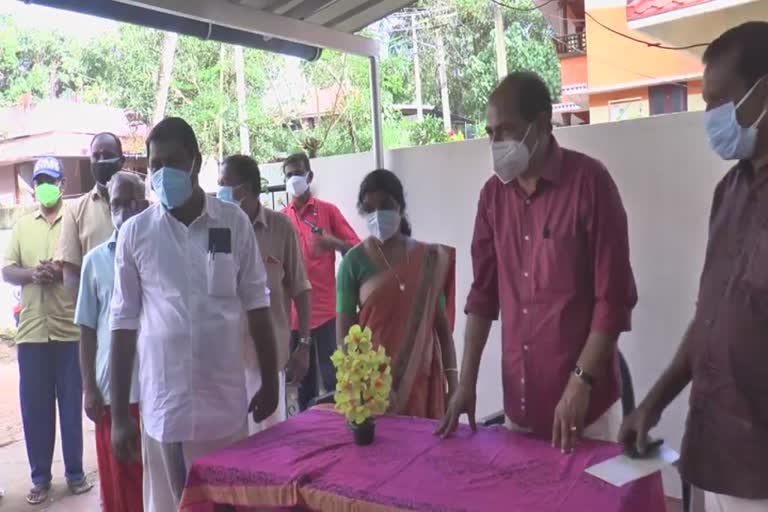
(363, 382)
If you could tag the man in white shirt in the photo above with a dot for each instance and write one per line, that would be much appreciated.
(184, 270)
(240, 183)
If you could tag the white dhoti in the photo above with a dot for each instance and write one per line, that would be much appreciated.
(605, 428)
(723, 503)
(252, 385)
(166, 466)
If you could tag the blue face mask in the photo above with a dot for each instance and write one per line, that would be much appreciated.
(727, 137)
(227, 194)
(172, 186)
(383, 224)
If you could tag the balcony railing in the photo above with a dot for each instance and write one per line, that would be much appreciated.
(571, 44)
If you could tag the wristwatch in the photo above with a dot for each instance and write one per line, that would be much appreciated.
(584, 376)
(305, 341)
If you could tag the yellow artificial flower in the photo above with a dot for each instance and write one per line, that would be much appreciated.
(364, 376)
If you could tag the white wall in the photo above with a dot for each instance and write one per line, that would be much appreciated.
(666, 174)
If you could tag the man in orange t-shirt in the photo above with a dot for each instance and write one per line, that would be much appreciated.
(323, 231)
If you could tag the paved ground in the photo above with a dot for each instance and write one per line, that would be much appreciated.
(14, 468)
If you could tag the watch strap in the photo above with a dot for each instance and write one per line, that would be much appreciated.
(584, 376)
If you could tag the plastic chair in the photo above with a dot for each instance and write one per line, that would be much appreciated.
(327, 398)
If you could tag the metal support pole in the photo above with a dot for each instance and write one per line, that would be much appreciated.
(378, 136)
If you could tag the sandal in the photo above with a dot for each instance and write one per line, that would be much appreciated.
(38, 494)
(80, 487)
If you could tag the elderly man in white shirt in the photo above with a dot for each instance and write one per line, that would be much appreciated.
(185, 269)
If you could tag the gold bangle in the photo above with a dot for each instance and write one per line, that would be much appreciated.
(451, 370)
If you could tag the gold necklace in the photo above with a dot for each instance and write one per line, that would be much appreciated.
(400, 282)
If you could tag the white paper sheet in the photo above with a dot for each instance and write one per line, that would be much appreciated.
(621, 469)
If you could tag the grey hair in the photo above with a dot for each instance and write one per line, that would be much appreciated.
(135, 180)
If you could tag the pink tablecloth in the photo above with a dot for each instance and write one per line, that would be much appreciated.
(310, 462)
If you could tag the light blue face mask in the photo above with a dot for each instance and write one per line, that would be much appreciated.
(227, 194)
(172, 186)
(727, 137)
(383, 224)
(120, 215)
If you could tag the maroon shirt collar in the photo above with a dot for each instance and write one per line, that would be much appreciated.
(552, 168)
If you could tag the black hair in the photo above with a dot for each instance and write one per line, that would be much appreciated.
(750, 42)
(533, 95)
(382, 180)
(297, 158)
(245, 168)
(113, 136)
(178, 130)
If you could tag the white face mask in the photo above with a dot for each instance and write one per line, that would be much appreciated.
(383, 224)
(511, 157)
(120, 215)
(727, 137)
(296, 185)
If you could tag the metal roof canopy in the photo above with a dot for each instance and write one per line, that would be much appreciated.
(292, 27)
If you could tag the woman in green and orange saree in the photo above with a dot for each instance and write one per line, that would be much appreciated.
(403, 290)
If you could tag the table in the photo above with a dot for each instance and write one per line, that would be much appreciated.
(311, 463)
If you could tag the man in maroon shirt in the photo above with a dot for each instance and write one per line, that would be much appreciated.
(724, 353)
(550, 252)
(323, 231)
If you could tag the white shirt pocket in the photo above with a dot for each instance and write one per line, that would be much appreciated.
(222, 275)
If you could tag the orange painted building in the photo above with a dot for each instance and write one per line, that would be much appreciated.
(608, 77)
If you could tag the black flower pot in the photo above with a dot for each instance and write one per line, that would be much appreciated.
(363, 433)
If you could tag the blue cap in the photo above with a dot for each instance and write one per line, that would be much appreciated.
(48, 166)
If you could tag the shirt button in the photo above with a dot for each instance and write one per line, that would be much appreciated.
(526, 238)
(525, 311)
(525, 274)
(525, 347)
(522, 381)
(527, 202)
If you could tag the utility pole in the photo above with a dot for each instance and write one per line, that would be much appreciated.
(167, 56)
(501, 42)
(416, 70)
(222, 55)
(443, 74)
(245, 140)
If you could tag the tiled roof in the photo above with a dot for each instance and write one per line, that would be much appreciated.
(62, 116)
(637, 9)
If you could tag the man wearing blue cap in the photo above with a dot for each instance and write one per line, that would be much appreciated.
(46, 338)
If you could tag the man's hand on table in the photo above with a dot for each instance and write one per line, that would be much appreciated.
(570, 413)
(453, 386)
(636, 426)
(462, 402)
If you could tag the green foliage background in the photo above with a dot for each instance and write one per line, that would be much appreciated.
(120, 68)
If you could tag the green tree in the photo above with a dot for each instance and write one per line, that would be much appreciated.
(37, 62)
(123, 67)
(120, 69)
(468, 30)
